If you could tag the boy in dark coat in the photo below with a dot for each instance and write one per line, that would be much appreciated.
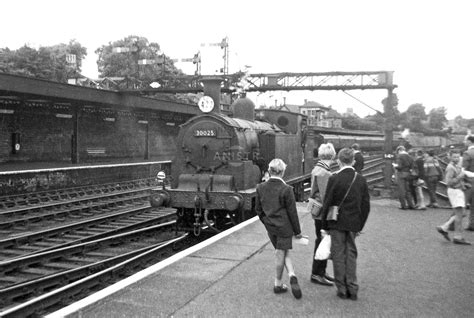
(352, 216)
(276, 208)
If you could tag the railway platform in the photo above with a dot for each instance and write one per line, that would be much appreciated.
(405, 269)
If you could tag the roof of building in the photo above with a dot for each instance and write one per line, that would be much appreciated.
(312, 104)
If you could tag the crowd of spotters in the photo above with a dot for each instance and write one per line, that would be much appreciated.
(340, 211)
(339, 204)
(418, 168)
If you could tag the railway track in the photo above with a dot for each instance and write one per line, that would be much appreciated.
(82, 231)
(34, 199)
(18, 214)
(43, 282)
(51, 239)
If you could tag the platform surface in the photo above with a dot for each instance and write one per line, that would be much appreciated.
(405, 269)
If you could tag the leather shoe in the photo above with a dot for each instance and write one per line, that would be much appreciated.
(280, 289)
(461, 241)
(329, 278)
(321, 280)
(443, 232)
(295, 288)
(352, 296)
(342, 295)
(469, 228)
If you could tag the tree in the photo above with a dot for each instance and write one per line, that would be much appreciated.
(437, 118)
(413, 117)
(470, 124)
(121, 59)
(377, 119)
(47, 62)
(393, 119)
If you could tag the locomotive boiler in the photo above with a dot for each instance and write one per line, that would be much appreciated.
(221, 158)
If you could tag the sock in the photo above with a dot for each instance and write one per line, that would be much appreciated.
(277, 282)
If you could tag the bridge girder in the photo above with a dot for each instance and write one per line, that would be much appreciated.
(277, 82)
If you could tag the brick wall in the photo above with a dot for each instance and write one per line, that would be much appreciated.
(105, 134)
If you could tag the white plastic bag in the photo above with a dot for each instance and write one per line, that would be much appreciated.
(324, 249)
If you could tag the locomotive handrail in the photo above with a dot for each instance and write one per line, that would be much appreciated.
(299, 179)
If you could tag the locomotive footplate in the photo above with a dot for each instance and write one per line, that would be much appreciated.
(211, 200)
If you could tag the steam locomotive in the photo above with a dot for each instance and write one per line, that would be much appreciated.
(221, 158)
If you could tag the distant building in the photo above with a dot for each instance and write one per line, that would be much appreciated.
(319, 115)
(289, 108)
(350, 113)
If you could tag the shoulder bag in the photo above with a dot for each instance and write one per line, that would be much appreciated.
(314, 207)
(334, 209)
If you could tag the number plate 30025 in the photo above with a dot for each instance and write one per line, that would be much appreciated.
(205, 133)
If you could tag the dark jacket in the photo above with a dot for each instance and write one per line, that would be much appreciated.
(358, 161)
(276, 208)
(405, 163)
(356, 207)
(420, 167)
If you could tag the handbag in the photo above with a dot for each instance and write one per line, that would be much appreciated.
(314, 207)
(324, 249)
(333, 210)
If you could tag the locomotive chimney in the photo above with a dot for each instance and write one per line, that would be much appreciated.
(212, 88)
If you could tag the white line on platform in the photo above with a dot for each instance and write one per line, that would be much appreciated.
(144, 273)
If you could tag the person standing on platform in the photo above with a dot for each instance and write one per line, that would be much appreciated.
(404, 164)
(358, 158)
(468, 165)
(276, 208)
(455, 183)
(413, 178)
(433, 174)
(420, 169)
(319, 179)
(349, 188)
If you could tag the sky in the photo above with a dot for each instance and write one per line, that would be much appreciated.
(427, 44)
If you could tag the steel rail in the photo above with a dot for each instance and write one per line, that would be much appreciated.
(15, 266)
(65, 293)
(84, 205)
(69, 195)
(106, 226)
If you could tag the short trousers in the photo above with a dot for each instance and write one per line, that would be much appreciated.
(281, 243)
(456, 198)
